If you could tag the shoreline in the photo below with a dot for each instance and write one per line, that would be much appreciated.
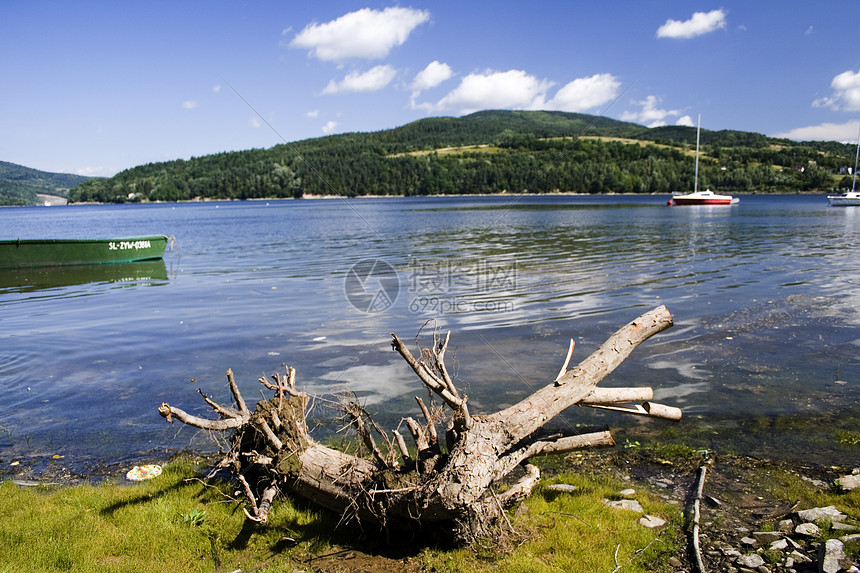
(822, 194)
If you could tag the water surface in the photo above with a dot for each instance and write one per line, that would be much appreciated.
(764, 296)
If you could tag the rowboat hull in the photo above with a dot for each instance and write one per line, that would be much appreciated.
(33, 253)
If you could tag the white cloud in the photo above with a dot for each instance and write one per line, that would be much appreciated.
(95, 171)
(514, 89)
(845, 132)
(372, 80)
(583, 94)
(700, 23)
(314, 113)
(329, 127)
(652, 116)
(846, 93)
(434, 74)
(365, 33)
(216, 89)
(686, 121)
(254, 121)
(189, 104)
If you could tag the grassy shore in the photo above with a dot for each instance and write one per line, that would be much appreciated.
(179, 522)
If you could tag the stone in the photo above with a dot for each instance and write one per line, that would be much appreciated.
(627, 493)
(847, 483)
(831, 557)
(799, 557)
(651, 521)
(850, 538)
(765, 537)
(786, 526)
(779, 545)
(749, 541)
(837, 526)
(819, 513)
(625, 504)
(807, 529)
(752, 561)
(561, 487)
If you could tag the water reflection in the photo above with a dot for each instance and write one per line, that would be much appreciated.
(36, 279)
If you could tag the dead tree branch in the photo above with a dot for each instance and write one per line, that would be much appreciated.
(453, 489)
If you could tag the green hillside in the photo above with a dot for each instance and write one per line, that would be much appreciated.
(20, 185)
(490, 152)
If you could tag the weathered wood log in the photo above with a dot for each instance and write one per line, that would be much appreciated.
(453, 487)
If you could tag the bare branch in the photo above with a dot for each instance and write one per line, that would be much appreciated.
(430, 380)
(566, 360)
(647, 409)
(612, 395)
(236, 394)
(523, 488)
(401, 445)
(418, 435)
(431, 426)
(169, 412)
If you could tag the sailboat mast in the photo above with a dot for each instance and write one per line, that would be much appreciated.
(854, 182)
(696, 179)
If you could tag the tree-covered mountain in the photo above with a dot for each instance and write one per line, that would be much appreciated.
(490, 152)
(20, 185)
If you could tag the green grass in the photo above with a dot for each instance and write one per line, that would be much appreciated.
(175, 522)
(788, 485)
(575, 532)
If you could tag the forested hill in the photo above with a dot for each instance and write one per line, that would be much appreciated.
(20, 185)
(491, 152)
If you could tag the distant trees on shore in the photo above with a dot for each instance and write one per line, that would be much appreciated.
(489, 152)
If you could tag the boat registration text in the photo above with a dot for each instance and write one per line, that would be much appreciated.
(128, 245)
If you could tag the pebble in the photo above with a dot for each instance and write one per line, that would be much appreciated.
(848, 483)
(807, 529)
(651, 521)
(831, 557)
(752, 561)
(829, 513)
(764, 537)
(626, 504)
(562, 487)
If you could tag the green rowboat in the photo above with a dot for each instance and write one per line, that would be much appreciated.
(31, 253)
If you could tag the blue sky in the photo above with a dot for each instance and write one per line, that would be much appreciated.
(97, 87)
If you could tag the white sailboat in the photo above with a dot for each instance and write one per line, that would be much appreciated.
(851, 198)
(697, 197)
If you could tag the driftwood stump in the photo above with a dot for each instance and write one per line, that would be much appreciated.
(450, 488)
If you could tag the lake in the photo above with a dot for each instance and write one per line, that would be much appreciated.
(763, 293)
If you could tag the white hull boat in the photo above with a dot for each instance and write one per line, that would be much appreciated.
(697, 197)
